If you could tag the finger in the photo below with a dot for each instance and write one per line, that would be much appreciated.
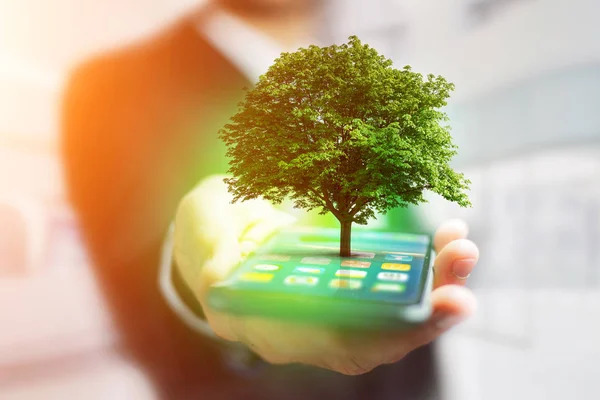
(226, 255)
(249, 212)
(230, 250)
(449, 231)
(225, 258)
(257, 233)
(454, 263)
(212, 203)
(197, 234)
(451, 305)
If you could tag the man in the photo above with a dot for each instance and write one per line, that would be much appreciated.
(140, 130)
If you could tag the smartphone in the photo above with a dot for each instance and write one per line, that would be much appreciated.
(298, 275)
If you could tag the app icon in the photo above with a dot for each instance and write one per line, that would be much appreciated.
(395, 267)
(266, 267)
(350, 273)
(345, 284)
(274, 257)
(398, 257)
(301, 280)
(363, 254)
(393, 276)
(388, 287)
(310, 270)
(356, 264)
(315, 260)
(256, 277)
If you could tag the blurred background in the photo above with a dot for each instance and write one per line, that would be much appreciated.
(525, 115)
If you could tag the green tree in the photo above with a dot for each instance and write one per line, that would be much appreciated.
(340, 130)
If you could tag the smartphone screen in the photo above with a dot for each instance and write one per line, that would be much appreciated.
(386, 267)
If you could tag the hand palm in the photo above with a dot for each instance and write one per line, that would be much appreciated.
(212, 236)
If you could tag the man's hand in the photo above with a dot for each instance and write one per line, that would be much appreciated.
(212, 236)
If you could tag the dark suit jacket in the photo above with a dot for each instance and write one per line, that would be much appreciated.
(140, 130)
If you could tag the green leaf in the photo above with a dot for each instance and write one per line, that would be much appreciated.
(339, 129)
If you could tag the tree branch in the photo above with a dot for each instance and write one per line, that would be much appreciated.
(324, 198)
(315, 193)
(330, 206)
(357, 206)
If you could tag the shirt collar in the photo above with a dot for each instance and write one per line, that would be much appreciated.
(251, 51)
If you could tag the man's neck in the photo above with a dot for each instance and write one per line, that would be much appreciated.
(288, 27)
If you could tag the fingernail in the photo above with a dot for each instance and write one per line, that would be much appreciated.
(462, 268)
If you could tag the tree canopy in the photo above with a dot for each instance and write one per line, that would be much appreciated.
(339, 129)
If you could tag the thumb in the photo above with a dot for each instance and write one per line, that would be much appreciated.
(230, 250)
(257, 233)
(226, 255)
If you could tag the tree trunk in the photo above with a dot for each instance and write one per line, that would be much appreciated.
(345, 238)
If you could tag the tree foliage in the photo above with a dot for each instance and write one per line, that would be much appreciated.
(339, 129)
